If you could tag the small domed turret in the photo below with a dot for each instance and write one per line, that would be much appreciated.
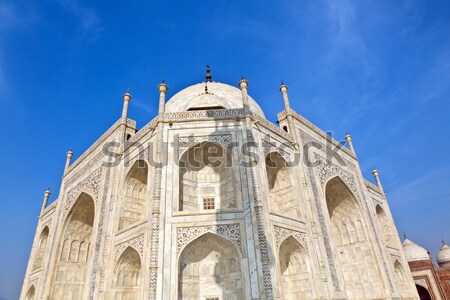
(443, 257)
(414, 252)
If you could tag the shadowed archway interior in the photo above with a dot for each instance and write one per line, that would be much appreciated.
(206, 178)
(361, 277)
(295, 276)
(210, 268)
(71, 269)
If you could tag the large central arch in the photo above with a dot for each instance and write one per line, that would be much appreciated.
(210, 267)
(206, 178)
(361, 277)
(71, 268)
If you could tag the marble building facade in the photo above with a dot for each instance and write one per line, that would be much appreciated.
(211, 201)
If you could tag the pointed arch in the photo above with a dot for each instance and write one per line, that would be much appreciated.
(40, 253)
(31, 294)
(295, 275)
(206, 178)
(400, 279)
(283, 197)
(127, 278)
(385, 226)
(354, 250)
(210, 266)
(134, 202)
(71, 269)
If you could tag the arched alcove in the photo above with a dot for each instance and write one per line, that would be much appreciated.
(206, 178)
(40, 252)
(71, 268)
(135, 195)
(385, 226)
(210, 267)
(127, 277)
(424, 294)
(361, 277)
(295, 276)
(31, 294)
(400, 279)
(283, 198)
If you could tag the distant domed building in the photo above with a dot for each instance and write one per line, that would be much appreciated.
(212, 201)
(432, 283)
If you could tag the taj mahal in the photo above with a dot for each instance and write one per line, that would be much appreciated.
(211, 201)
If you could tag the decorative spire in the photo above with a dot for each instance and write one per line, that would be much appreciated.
(162, 88)
(208, 73)
(69, 155)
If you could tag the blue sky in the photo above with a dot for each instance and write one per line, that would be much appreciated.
(378, 69)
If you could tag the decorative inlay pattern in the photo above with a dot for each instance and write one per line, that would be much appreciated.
(281, 233)
(187, 234)
(326, 169)
(101, 229)
(137, 243)
(270, 147)
(156, 209)
(186, 142)
(91, 183)
(201, 114)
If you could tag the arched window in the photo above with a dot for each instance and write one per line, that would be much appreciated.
(41, 249)
(210, 268)
(295, 276)
(206, 178)
(127, 276)
(385, 226)
(281, 185)
(31, 294)
(361, 277)
(134, 200)
(70, 278)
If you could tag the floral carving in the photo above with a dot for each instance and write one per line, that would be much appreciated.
(281, 233)
(91, 183)
(187, 234)
(137, 243)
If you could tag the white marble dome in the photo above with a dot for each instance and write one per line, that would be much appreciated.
(443, 257)
(414, 252)
(219, 96)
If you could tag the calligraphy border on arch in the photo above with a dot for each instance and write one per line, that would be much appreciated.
(185, 235)
(185, 142)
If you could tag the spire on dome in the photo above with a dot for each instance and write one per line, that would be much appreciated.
(208, 73)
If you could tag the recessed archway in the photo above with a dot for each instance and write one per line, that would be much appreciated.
(38, 260)
(400, 279)
(71, 268)
(385, 226)
(31, 294)
(206, 178)
(127, 276)
(361, 277)
(283, 197)
(135, 195)
(295, 276)
(210, 267)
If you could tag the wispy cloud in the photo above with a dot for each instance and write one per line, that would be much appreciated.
(89, 26)
(427, 187)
